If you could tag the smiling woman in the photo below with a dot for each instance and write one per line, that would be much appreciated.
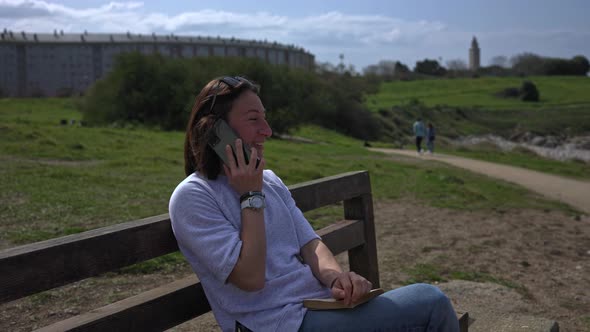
(256, 255)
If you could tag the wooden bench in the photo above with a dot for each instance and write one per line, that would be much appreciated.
(37, 267)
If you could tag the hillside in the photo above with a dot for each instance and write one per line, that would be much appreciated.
(555, 92)
(461, 107)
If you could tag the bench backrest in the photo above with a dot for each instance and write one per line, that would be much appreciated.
(36, 267)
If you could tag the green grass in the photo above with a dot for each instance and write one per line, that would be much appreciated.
(462, 107)
(479, 92)
(59, 180)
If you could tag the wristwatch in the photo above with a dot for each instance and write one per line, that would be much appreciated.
(253, 200)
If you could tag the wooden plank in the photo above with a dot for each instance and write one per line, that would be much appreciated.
(343, 235)
(179, 301)
(44, 265)
(463, 318)
(333, 189)
(363, 259)
(155, 310)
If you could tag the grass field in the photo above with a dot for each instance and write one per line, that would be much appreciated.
(479, 92)
(466, 106)
(58, 180)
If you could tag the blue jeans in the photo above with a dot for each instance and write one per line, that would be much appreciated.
(414, 308)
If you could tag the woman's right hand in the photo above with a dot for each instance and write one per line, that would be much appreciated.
(350, 287)
(241, 176)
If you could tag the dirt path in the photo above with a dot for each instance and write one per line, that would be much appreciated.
(573, 192)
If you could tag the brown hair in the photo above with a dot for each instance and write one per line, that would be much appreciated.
(214, 102)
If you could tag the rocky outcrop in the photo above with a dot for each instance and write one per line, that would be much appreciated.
(555, 147)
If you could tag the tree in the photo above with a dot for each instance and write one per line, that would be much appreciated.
(385, 68)
(429, 67)
(341, 65)
(159, 92)
(528, 64)
(456, 64)
(325, 67)
(582, 64)
(500, 61)
(401, 69)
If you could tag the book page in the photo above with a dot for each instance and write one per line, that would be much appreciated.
(331, 304)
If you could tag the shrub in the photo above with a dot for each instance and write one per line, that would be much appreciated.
(159, 92)
(529, 92)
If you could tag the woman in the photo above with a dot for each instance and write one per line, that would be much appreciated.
(258, 262)
(431, 135)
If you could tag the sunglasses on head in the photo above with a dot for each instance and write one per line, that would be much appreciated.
(233, 82)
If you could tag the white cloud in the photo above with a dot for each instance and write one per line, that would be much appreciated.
(206, 20)
(34, 8)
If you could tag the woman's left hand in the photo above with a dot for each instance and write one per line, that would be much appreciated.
(349, 287)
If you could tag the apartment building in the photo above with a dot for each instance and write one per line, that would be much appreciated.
(54, 64)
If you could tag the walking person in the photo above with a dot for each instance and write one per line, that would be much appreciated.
(251, 247)
(430, 136)
(419, 133)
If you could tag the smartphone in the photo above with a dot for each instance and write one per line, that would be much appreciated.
(224, 135)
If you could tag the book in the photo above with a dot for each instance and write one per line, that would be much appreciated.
(331, 304)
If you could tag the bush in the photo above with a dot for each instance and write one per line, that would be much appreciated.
(149, 90)
(529, 92)
(159, 92)
(429, 67)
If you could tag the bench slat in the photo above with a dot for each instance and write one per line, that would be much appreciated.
(154, 310)
(169, 305)
(329, 190)
(44, 265)
(343, 235)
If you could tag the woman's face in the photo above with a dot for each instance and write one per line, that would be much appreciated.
(248, 119)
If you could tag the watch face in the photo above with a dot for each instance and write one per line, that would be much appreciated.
(257, 202)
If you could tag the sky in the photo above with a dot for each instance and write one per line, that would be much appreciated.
(364, 32)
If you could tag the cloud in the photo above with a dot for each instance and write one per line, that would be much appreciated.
(332, 27)
(28, 9)
(225, 23)
(22, 9)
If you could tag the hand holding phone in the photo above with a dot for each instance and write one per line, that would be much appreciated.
(223, 135)
(241, 176)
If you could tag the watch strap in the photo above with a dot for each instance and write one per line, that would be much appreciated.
(250, 194)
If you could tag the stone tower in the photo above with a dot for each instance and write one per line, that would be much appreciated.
(474, 55)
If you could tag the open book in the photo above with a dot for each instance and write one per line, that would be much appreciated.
(330, 304)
